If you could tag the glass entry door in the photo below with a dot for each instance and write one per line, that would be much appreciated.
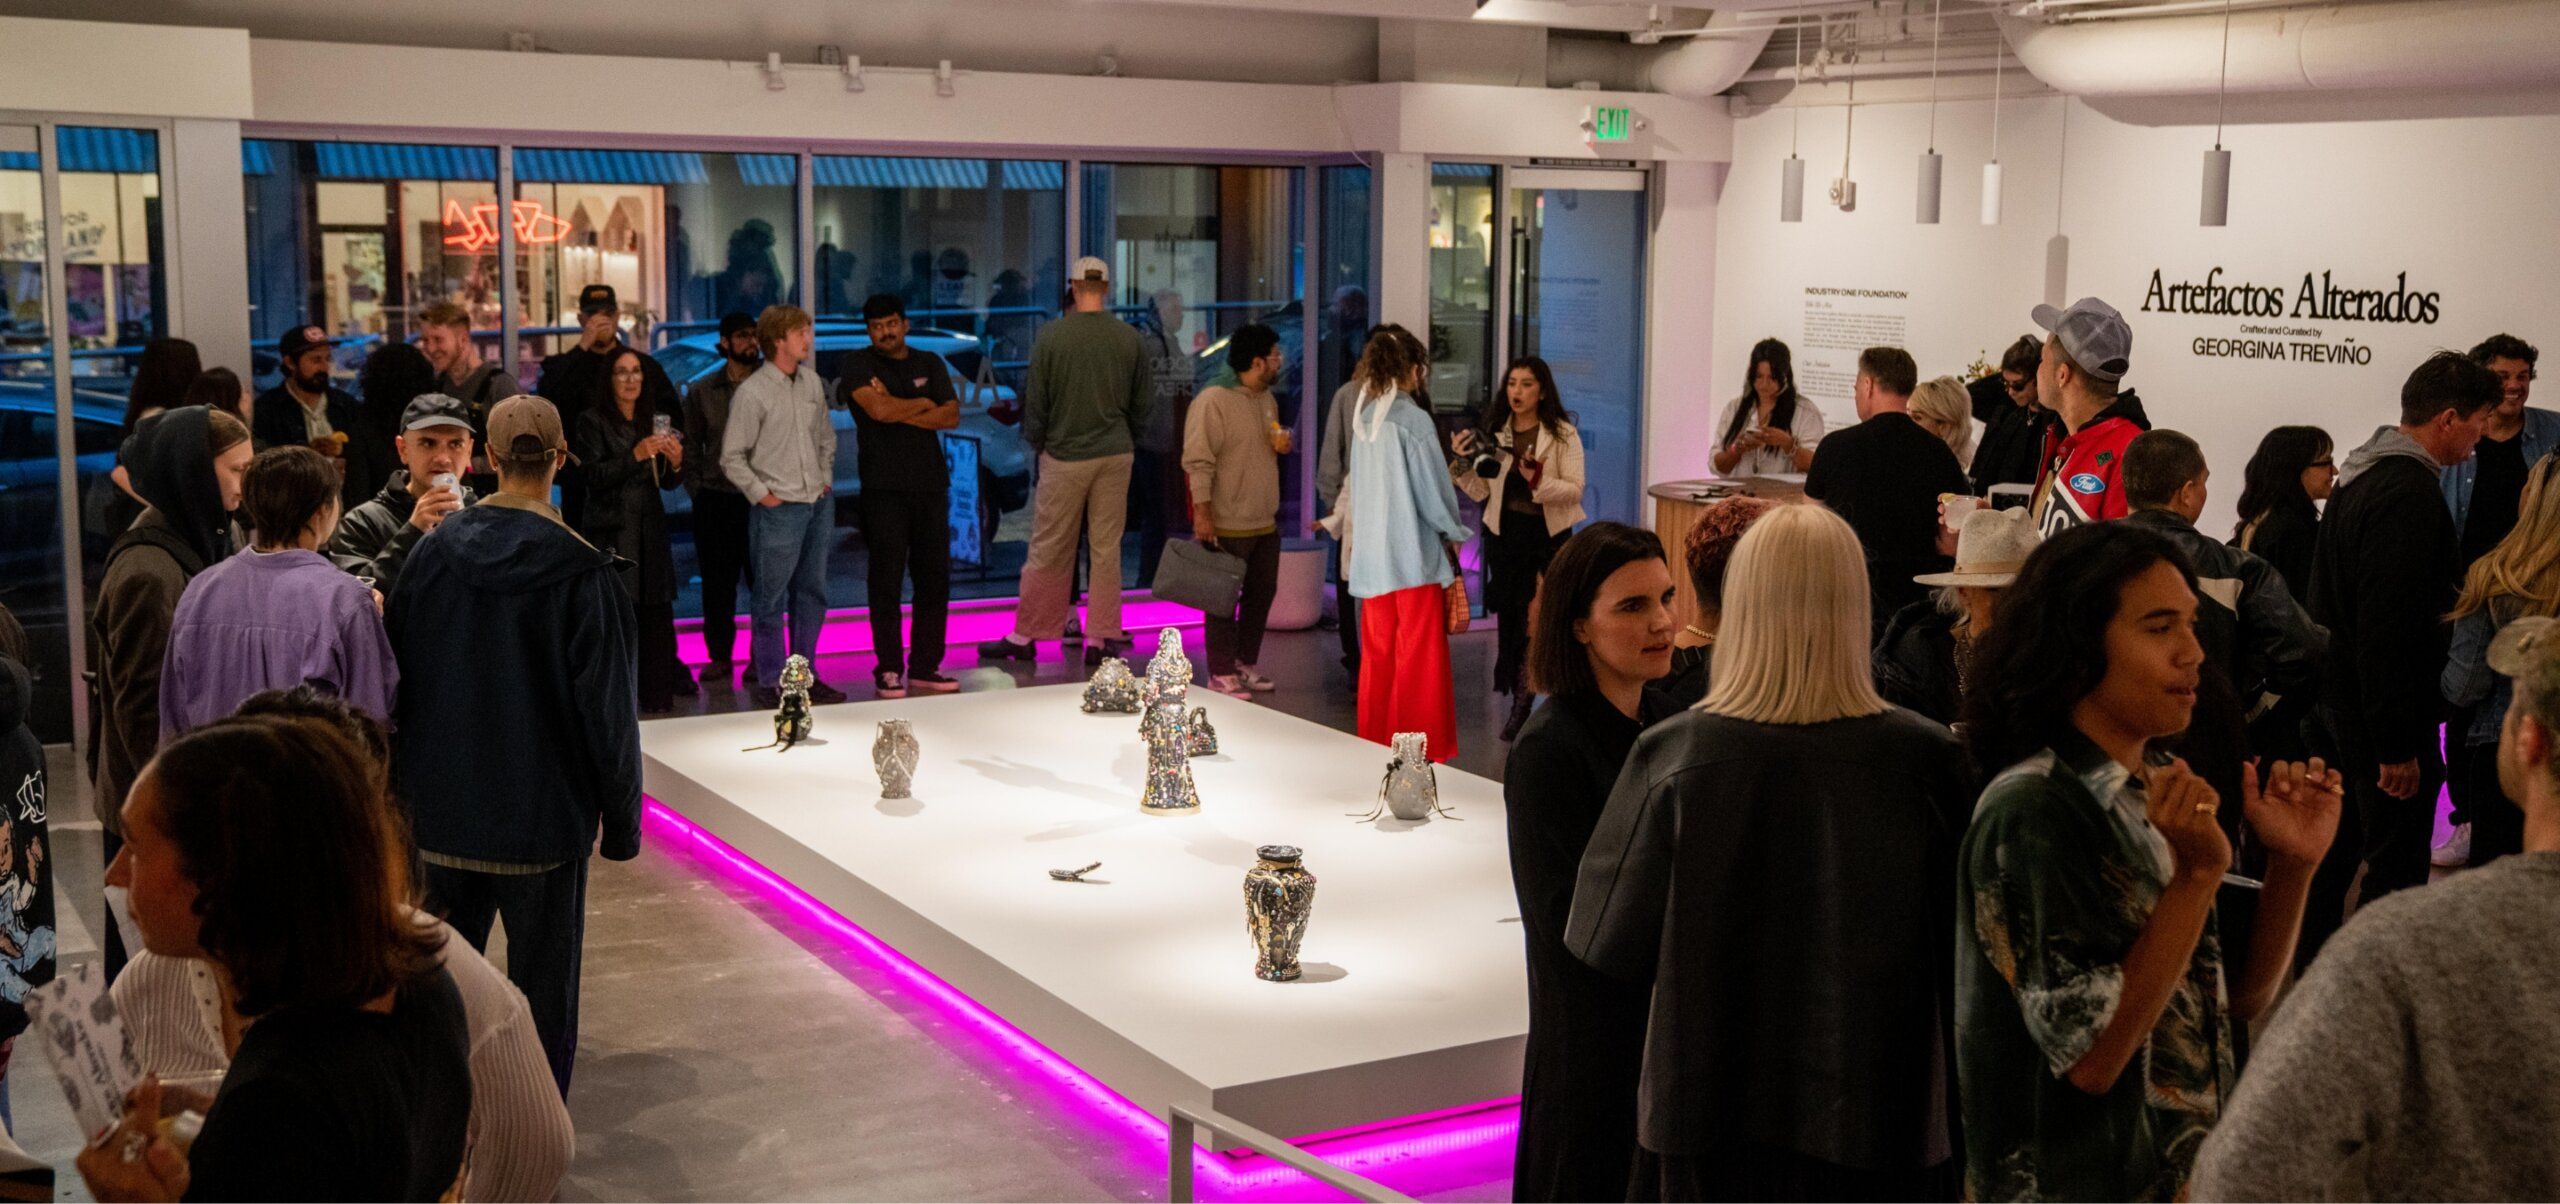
(1576, 300)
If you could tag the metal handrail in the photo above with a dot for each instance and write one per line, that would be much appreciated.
(1182, 1120)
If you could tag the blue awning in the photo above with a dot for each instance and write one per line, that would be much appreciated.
(1462, 171)
(891, 171)
(401, 161)
(95, 148)
(257, 157)
(542, 165)
(769, 171)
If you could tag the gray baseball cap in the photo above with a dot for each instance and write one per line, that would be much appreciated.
(2093, 334)
(2528, 650)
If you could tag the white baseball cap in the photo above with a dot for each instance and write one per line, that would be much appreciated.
(1090, 268)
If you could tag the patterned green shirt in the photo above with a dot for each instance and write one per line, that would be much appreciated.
(2059, 871)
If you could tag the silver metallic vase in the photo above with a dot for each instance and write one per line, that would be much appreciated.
(1411, 789)
(1112, 688)
(1165, 725)
(1279, 894)
(1204, 738)
(894, 754)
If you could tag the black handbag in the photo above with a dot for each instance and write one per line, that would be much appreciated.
(1200, 577)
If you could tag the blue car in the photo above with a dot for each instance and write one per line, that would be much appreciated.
(31, 569)
(989, 414)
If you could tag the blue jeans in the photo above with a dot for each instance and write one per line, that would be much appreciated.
(787, 551)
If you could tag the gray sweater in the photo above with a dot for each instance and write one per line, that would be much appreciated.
(2418, 1060)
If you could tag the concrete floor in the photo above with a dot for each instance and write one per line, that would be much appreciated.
(730, 1052)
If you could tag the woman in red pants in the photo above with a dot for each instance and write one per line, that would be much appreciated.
(1403, 516)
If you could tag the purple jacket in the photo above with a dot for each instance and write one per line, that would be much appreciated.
(272, 621)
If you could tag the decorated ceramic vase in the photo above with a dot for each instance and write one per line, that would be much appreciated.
(1279, 894)
(894, 755)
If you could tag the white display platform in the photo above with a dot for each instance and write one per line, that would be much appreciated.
(1415, 996)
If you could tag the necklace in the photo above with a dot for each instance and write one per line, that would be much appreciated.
(1705, 636)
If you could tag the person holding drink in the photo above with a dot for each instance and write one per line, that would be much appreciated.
(629, 452)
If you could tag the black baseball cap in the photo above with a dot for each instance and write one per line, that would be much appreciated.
(732, 323)
(435, 409)
(883, 305)
(597, 297)
(298, 340)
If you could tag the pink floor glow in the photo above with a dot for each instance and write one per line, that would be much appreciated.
(1449, 1151)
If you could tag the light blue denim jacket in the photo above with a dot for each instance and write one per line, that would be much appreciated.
(2468, 679)
(2541, 435)
(1403, 509)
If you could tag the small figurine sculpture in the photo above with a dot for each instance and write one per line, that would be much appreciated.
(1279, 894)
(1113, 688)
(1165, 726)
(1075, 875)
(894, 754)
(1204, 738)
(792, 721)
(1411, 789)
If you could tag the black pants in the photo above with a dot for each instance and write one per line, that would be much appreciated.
(2387, 838)
(2497, 823)
(546, 918)
(908, 533)
(1514, 559)
(1237, 639)
(659, 670)
(1154, 494)
(720, 549)
(111, 947)
(1346, 612)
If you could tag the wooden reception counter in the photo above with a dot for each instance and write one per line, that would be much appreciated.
(1676, 505)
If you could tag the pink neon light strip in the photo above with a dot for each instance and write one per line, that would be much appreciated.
(1438, 1151)
(849, 631)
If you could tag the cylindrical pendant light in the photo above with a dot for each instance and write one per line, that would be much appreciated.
(1791, 178)
(1991, 170)
(2216, 209)
(1932, 165)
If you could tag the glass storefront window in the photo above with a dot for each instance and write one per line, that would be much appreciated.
(358, 237)
(1196, 252)
(1345, 282)
(1462, 311)
(682, 236)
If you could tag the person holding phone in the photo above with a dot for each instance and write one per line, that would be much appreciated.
(1770, 429)
(630, 455)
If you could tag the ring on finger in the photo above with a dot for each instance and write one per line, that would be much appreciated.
(2202, 807)
(133, 1147)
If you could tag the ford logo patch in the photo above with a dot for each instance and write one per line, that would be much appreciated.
(2087, 482)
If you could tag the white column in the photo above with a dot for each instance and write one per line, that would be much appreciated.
(1682, 382)
(209, 298)
(1404, 242)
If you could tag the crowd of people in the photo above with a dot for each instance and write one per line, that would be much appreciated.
(1957, 847)
(2019, 796)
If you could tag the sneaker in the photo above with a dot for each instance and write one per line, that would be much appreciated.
(822, 694)
(718, 675)
(890, 685)
(684, 687)
(1231, 684)
(1007, 650)
(765, 698)
(1254, 680)
(2455, 851)
(932, 683)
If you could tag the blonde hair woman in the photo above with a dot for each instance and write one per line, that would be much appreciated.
(2519, 578)
(1821, 1072)
(1943, 408)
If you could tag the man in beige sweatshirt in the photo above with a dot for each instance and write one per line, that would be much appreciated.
(1231, 449)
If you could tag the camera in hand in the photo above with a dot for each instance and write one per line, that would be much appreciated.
(1486, 460)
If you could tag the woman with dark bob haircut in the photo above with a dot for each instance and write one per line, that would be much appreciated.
(1601, 629)
(264, 845)
(2289, 475)
(2093, 1014)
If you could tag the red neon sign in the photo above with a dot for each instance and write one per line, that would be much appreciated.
(477, 230)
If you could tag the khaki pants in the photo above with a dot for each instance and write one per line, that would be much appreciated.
(1088, 496)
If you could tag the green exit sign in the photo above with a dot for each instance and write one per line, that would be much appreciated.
(1612, 124)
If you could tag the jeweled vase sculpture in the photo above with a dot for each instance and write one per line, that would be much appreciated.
(1112, 688)
(1204, 738)
(791, 720)
(894, 755)
(1279, 894)
(1165, 725)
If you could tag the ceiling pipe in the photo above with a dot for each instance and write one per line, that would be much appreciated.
(1695, 68)
(2425, 44)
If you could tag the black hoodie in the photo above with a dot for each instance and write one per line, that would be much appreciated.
(186, 529)
(524, 739)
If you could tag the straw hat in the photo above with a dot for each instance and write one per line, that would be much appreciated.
(1990, 549)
